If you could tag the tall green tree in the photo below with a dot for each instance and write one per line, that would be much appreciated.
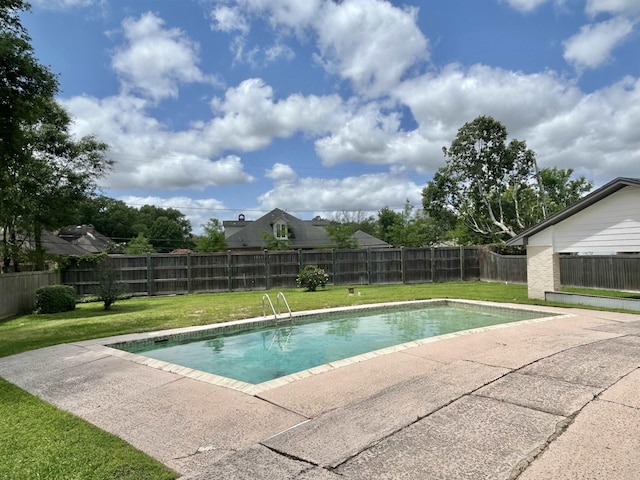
(139, 245)
(213, 239)
(166, 235)
(342, 235)
(560, 190)
(489, 190)
(409, 228)
(109, 216)
(43, 168)
(167, 228)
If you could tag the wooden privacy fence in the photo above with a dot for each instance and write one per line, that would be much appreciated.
(613, 272)
(163, 274)
(616, 272)
(502, 268)
(18, 291)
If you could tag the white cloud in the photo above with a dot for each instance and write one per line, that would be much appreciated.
(592, 46)
(369, 42)
(229, 19)
(598, 136)
(64, 4)
(155, 60)
(148, 155)
(281, 173)
(352, 37)
(526, 5)
(197, 211)
(595, 7)
(358, 193)
(374, 138)
(249, 117)
(293, 14)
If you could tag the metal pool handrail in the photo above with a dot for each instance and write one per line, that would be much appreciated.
(264, 310)
(273, 309)
(279, 296)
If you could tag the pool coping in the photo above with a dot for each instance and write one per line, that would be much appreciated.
(105, 345)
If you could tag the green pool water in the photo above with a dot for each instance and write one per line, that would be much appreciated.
(264, 354)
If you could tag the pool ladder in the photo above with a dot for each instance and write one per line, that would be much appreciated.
(266, 299)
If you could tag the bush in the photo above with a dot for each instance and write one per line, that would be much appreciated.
(55, 299)
(311, 277)
(108, 289)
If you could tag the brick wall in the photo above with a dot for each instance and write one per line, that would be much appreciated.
(543, 271)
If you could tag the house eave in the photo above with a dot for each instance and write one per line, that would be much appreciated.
(585, 202)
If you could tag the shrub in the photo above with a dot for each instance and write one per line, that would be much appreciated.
(311, 277)
(55, 298)
(108, 289)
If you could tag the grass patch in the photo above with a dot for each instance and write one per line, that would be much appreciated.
(41, 441)
(602, 293)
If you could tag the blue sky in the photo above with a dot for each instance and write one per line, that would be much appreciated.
(318, 107)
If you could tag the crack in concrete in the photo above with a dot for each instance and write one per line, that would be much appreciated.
(207, 448)
(561, 427)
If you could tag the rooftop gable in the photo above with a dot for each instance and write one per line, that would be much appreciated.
(582, 204)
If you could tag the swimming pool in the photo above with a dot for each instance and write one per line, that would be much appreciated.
(270, 351)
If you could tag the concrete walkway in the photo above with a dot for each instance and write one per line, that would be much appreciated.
(558, 399)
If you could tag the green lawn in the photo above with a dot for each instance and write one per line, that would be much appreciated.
(40, 441)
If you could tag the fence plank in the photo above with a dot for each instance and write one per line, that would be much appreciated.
(18, 290)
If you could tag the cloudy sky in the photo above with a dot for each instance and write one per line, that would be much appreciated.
(218, 107)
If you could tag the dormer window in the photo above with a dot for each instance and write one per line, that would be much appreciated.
(280, 230)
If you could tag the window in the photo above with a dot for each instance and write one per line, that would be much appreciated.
(280, 231)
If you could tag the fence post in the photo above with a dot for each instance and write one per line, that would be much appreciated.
(266, 270)
(229, 271)
(433, 265)
(402, 261)
(368, 266)
(189, 272)
(333, 263)
(149, 275)
(461, 263)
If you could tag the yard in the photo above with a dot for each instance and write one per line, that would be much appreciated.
(41, 441)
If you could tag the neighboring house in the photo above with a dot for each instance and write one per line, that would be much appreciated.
(298, 234)
(607, 221)
(86, 238)
(54, 245)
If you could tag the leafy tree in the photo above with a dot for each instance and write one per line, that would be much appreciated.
(273, 243)
(139, 245)
(43, 169)
(560, 190)
(109, 216)
(166, 235)
(357, 220)
(109, 289)
(408, 228)
(213, 239)
(387, 219)
(168, 228)
(342, 235)
(489, 189)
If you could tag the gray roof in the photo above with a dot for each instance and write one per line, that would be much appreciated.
(303, 234)
(586, 201)
(55, 245)
(87, 238)
(369, 241)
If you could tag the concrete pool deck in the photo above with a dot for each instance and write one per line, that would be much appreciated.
(557, 399)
